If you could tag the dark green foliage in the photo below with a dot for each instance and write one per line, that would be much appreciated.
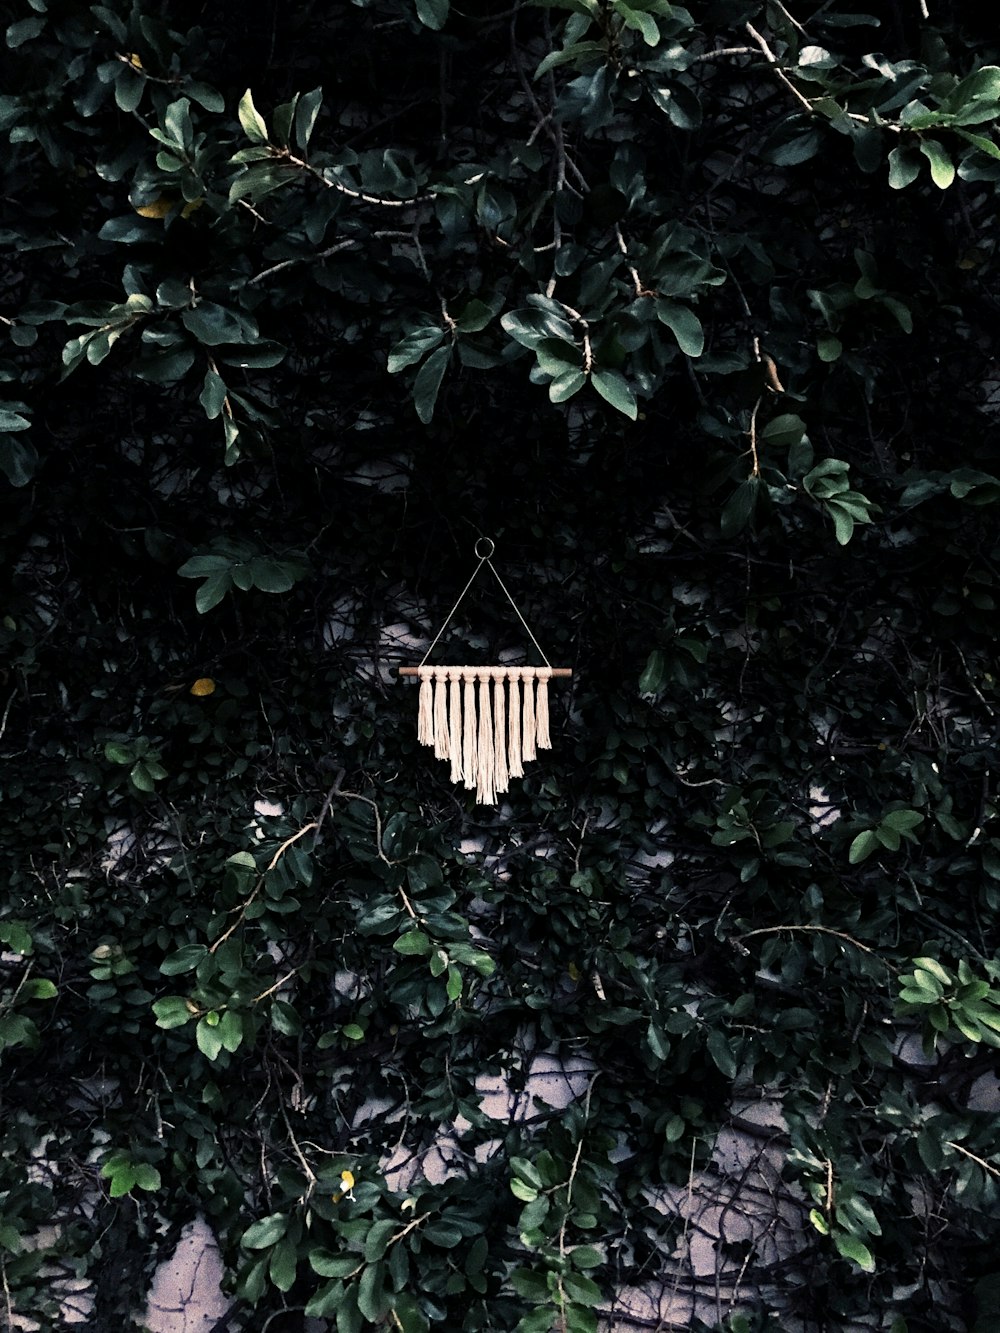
(694, 314)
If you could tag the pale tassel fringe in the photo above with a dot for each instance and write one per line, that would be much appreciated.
(542, 710)
(528, 724)
(425, 713)
(499, 731)
(469, 774)
(455, 723)
(514, 765)
(441, 736)
(486, 793)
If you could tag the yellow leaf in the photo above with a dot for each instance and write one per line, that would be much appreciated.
(203, 686)
(348, 1178)
(574, 972)
(188, 209)
(159, 208)
(134, 61)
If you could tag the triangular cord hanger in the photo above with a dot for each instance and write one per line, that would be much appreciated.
(488, 745)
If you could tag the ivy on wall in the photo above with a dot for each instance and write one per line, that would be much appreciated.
(693, 313)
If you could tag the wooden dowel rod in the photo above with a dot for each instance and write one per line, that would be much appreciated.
(415, 671)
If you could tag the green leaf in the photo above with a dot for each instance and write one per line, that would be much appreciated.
(327, 1264)
(372, 1301)
(23, 31)
(306, 111)
(230, 1030)
(565, 385)
(268, 1231)
(585, 1256)
(252, 122)
(39, 988)
(146, 1176)
(932, 966)
(433, 14)
(413, 942)
(683, 323)
(721, 1051)
(13, 421)
(942, 167)
(18, 460)
(407, 1312)
(862, 847)
(172, 1011)
(904, 167)
(855, 1250)
(639, 21)
(16, 936)
(428, 382)
(283, 1265)
(212, 591)
(739, 508)
(213, 324)
(903, 821)
(377, 1240)
(654, 674)
(784, 431)
(843, 522)
(209, 1038)
(582, 54)
(185, 959)
(530, 1284)
(413, 347)
(614, 389)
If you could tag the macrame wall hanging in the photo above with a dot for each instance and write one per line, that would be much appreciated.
(487, 722)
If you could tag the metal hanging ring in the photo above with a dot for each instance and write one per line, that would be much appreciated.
(484, 555)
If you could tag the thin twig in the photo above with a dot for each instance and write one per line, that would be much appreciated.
(302, 259)
(816, 930)
(277, 986)
(6, 714)
(260, 883)
(973, 1158)
(755, 470)
(793, 21)
(309, 1172)
(723, 51)
(772, 59)
(356, 796)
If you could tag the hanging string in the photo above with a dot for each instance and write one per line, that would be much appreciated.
(517, 610)
(458, 603)
(485, 560)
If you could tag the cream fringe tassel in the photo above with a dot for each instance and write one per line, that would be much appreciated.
(469, 774)
(455, 722)
(500, 773)
(489, 735)
(542, 710)
(528, 723)
(486, 783)
(442, 738)
(514, 766)
(425, 716)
